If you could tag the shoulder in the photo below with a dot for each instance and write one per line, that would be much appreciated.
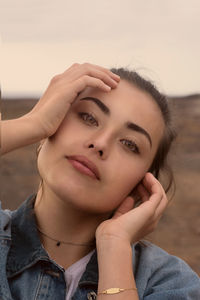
(164, 276)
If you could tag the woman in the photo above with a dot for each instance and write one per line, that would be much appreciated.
(78, 238)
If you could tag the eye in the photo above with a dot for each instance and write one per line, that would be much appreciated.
(131, 146)
(88, 118)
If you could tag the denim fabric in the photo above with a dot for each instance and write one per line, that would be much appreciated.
(27, 272)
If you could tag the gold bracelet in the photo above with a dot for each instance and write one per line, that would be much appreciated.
(115, 291)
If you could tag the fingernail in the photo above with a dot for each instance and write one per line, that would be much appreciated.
(114, 81)
(117, 76)
(108, 87)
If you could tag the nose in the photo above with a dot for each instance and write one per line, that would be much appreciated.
(100, 144)
(101, 153)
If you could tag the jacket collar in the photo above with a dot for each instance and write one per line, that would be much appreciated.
(91, 274)
(26, 249)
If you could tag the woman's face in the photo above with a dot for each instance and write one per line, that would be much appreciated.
(118, 131)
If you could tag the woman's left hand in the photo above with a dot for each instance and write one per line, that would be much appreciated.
(132, 224)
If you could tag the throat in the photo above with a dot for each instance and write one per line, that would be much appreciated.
(59, 242)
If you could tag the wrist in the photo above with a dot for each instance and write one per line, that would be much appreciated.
(36, 128)
(20, 132)
(115, 263)
(107, 243)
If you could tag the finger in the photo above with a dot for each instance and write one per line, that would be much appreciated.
(124, 207)
(77, 71)
(86, 81)
(143, 192)
(153, 186)
(110, 73)
(157, 188)
(158, 195)
(106, 78)
(88, 65)
(161, 207)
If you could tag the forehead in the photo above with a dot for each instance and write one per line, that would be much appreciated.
(125, 95)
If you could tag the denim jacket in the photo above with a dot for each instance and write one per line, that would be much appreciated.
(27, 272)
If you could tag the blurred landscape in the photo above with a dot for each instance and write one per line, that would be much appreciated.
(179, 229)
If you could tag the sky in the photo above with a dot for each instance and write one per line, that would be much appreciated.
(159, 39)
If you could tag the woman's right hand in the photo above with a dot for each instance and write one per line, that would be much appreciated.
(63, 89)
(46, 116)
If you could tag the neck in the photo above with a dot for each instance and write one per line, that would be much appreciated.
(62, 221)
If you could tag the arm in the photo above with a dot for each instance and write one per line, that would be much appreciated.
(18, 133)
(115, 269)
(115, 236)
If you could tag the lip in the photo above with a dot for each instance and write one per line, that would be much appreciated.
(87, 163)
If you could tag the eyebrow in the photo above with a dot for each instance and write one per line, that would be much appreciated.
(100, 104)
(129, 125)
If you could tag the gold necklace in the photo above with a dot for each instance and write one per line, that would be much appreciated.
(58, 242)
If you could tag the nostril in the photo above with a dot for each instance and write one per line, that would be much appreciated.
(100, 151)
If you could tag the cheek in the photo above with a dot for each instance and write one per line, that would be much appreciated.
(132, 179)
(65, 133)
(45, 159)
(41, 161)
(124, 181)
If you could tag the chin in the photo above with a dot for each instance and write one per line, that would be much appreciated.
(81, 200)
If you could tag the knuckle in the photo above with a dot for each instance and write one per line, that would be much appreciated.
(104, 76)
(76, 65)
(150, 212)
(99, 83)
(86, 64)
(56, 78)
(85, 78)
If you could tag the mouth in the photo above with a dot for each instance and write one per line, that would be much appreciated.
(84, 165)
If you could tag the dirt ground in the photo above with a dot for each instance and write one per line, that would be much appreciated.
(179, 229)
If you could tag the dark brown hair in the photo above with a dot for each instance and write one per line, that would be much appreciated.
(159, 163)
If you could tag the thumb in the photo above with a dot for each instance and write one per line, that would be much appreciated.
(124, 207)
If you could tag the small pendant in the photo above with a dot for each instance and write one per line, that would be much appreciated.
(58, 244)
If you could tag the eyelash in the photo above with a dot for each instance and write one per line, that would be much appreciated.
(85, 116)
(132, 146)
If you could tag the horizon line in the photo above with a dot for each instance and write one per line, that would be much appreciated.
(37, 96)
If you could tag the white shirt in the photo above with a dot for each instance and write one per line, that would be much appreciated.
(74, 272)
